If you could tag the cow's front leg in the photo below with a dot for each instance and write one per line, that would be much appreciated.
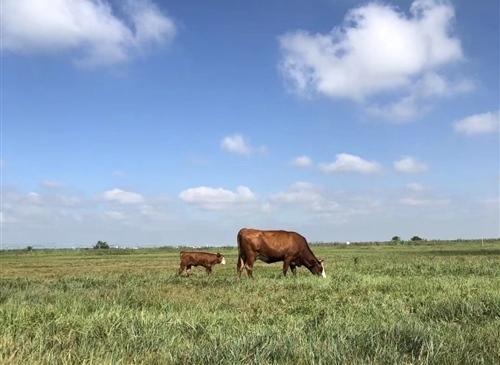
(294, 269)
(286, 264)
(208, 270)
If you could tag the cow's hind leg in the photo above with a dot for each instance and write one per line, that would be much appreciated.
(249, 266)
(239, 266)
(208, 269)
(181, 269)
(188, 270)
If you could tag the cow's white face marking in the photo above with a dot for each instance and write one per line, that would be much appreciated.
(223, 262)
(323, 274)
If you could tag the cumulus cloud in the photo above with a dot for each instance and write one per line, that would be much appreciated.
(123, 197)
(377, 49)
(301, 161)
(345, 162)
(428, 88)
(217, 198)
(49, 216)
(91, 31)
(237, 144)
(409, 165)
(478, 124)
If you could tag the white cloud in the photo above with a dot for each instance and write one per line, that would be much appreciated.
(237, 144)
(421, 96)
(409, 165)
(301, 161)
(345, 162)
(90, 30)
(478, 123)
(378, 49)
(217, 198)
(123, 197)
(402, 110)
(434, 85)
(316, 212)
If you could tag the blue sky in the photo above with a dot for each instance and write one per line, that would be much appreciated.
(152, 123)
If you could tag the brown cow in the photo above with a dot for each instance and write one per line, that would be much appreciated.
(205, 259)
(275, 246)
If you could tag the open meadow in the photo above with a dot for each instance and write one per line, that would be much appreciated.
(431, 303)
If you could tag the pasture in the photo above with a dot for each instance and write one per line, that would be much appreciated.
(434, 303)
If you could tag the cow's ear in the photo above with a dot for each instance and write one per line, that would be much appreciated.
(321, 261)
(218, 254)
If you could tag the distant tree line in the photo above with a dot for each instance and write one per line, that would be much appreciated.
(100, 245)
(398, 239)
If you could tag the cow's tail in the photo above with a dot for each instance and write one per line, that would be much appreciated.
(241, 262)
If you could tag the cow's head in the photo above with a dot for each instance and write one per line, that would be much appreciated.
(317, 268)
(222, 260)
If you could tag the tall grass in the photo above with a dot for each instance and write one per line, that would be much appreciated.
(378, 305)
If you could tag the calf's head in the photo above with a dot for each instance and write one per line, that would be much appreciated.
(221, 258)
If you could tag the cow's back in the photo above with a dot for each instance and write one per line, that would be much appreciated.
(272, 243)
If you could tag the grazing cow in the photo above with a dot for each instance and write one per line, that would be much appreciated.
(205, 259)
(275, 246)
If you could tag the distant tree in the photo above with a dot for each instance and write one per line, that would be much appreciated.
(101, 245)
(396, 239)
(29, 248)
(416, 238)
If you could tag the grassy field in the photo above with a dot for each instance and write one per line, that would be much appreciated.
(392, 304)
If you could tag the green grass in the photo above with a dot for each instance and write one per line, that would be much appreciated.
(417, 304)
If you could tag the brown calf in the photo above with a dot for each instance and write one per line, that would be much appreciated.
(205, 259)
